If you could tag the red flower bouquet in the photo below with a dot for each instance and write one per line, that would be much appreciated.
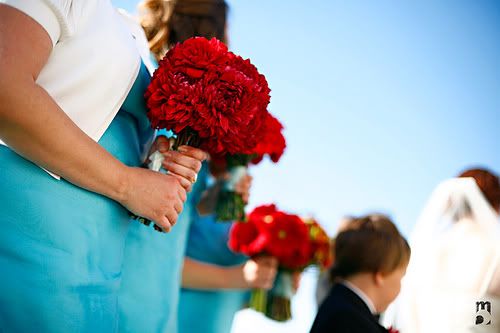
(230, 205)
(286, 237)
(209, 97)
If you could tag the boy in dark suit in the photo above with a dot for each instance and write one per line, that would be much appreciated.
(371, 258)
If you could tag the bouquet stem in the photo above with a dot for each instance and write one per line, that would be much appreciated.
(230, 205)
(278, 308)
(258, 300)
(278, 299)
(187, 137)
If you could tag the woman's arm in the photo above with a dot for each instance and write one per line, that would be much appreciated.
(258, 273)
(34, 126)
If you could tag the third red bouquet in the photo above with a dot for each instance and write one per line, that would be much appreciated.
(294, 242)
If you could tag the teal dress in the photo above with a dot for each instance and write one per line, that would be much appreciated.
(152, 268)
(61, 247)
(213, 309)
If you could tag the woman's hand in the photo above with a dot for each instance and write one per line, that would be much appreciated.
(255, 273)
(183, 164)
(153, 195)
(243, 186)
(296, 276)
(260, 272)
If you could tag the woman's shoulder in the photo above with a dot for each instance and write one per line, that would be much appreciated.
(59, 18)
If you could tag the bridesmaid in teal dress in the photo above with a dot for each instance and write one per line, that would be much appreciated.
(60, 244)
(83, 226)
(62, 241)
(216, 281)
(213, 309)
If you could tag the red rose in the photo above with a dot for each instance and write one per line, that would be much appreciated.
(202, 86)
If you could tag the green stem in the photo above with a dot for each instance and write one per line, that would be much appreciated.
(258, 300)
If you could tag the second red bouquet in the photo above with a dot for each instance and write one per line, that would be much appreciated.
(230, 205)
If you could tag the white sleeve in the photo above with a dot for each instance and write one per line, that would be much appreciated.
(141, 40)
(52, 15)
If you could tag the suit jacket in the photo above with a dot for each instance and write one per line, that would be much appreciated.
(345, 312)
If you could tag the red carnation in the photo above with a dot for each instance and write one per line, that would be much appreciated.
(203, 89)
(272, 143)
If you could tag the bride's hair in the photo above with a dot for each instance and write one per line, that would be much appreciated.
(369, 243)
(488, 183)
(167, 22)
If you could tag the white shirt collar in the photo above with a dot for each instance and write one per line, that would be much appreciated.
(361, 295)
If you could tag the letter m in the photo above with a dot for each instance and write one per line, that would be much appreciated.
(483, 306)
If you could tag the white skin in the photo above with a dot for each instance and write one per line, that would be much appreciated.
(254, 273)
(24, 49)
(381, 288)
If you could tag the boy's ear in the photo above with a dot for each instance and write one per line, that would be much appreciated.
(378, 279)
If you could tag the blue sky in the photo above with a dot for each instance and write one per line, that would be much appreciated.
(381, 100)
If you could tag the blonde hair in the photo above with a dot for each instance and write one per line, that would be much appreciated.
(167, 22)
(154, 17)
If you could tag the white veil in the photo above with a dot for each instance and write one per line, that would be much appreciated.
(441, 270)
(449, 202)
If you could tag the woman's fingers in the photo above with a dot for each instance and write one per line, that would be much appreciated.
(190, 174)
(172, 216)
(178, 206)
(267, 276)
(243, 187)
(193, 152)
(186, 184)
(164, 223)
(268, 261)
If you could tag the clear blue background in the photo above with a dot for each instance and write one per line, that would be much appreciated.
(381, 99)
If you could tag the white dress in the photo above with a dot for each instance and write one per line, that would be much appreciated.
(454, 271)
